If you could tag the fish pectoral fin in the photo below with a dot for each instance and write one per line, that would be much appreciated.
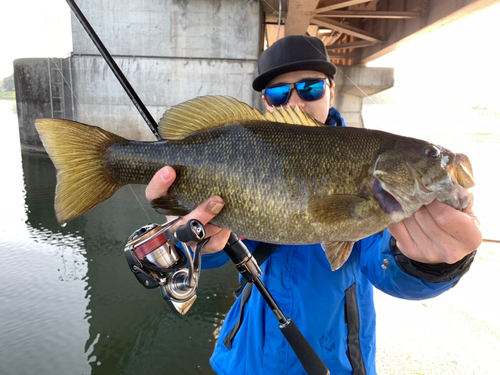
(169, 205)
(337, 208)
(337, 253)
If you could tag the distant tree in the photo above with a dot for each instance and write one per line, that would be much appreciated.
(8, 83)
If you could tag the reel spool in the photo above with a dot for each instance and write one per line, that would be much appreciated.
(156, 262)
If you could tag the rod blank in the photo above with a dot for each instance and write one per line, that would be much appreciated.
(116, 70)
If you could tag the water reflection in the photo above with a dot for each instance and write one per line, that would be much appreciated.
(70, 305)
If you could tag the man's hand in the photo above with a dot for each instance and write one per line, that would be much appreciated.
(438, 233)
(205, 212)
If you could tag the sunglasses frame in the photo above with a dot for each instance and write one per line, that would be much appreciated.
(293, 86)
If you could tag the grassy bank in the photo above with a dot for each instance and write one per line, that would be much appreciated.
(8, 95)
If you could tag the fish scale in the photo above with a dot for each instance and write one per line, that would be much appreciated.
(284, 177)
(272, 173)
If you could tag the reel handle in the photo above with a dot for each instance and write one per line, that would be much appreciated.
(193, 230)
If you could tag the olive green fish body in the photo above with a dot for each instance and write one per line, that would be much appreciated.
(268, 177)
(284, 177)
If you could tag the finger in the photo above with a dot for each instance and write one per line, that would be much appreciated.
(461, 226)
(401, 234)
(471, 204)
(205, 212)
(211, 231)
(217, 242)
(160, 183)
(440, 245)
(412, 241)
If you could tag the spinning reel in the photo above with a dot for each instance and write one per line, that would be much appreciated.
(156, 261)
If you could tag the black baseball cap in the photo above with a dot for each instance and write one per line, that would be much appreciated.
(292, 53)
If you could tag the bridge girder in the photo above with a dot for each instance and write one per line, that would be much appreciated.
(359, 31)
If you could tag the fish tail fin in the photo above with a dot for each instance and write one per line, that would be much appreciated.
(77, 151)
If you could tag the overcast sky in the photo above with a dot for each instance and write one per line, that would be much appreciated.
(461, 59)
(466, 50)
(33, 28)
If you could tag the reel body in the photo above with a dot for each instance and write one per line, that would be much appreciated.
(156, 262)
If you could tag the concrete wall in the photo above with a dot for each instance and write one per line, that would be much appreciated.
(42, 91)
(170, 51)
(353, 84)
(160, 83)
(180, 28)
(32, 97)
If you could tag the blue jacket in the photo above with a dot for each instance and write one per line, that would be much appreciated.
(333, 310)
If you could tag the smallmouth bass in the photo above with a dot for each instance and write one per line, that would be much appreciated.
(285, 178)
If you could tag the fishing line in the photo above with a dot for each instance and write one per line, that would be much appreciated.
(70, 88)
(270, 6)
(359, 88)
(354, 83)
(279, 23)
(340, 70)
(59, 69)
(136, 197)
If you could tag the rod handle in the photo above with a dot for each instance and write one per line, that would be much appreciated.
(311, 362)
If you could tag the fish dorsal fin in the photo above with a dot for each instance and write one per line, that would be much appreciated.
(292, 116)
(203, 113)
(209, 112)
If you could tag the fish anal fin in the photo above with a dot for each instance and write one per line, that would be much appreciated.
(169, 205)
(337, 253)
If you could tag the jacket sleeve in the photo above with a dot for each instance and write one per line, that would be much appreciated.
(215, 260)
(395, 274)
(218, 259)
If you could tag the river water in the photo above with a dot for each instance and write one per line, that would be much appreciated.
(68, 302)
(70, 305)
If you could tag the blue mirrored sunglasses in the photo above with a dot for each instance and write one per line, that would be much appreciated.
(308, 90)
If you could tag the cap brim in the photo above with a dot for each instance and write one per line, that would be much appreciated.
(262, 80)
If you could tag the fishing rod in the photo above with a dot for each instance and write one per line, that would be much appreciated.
(116, 70)
(156, 262)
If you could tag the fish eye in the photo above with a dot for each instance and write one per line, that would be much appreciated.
(433, 152)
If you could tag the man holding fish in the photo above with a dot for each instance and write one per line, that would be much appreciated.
(353, 208)
(419, 257)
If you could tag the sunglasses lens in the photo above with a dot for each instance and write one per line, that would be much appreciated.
(277, 96)
(311, 90)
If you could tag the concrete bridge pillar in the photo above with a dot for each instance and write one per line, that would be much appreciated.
(353, 84)
(170, 51)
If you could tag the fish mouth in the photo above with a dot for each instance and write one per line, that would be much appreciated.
(402, 200)
(455, 189)
(400, 204)
(459, 194)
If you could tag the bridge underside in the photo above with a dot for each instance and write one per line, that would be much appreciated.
(359, 31)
